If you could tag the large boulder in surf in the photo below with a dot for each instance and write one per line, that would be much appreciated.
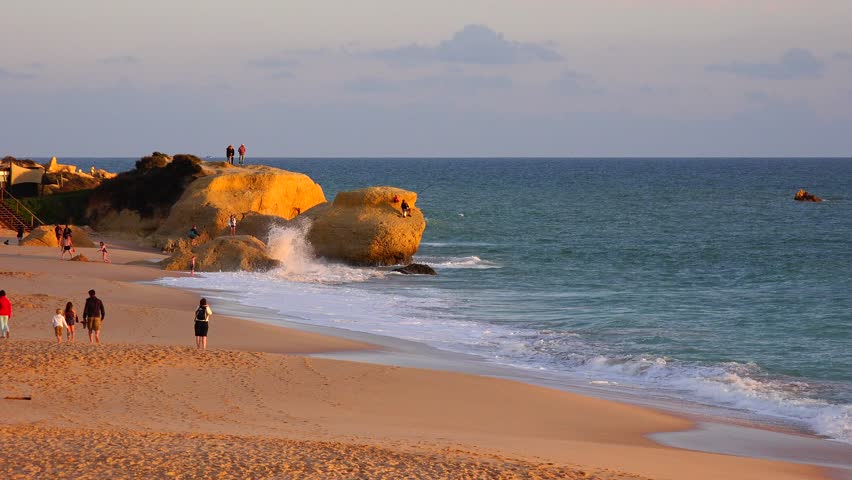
(209, 200)
(44, 236)
(224, 254)
(366, 227)
(804, 196)
(416, 269)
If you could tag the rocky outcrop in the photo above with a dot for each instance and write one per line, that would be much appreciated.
(54, 166)
(259, 225)
(416, 269)
(366, 227)
(208, 201)
(803, 196)
(224, 254)
(44, 236)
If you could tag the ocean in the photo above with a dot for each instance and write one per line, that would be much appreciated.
(696, 280)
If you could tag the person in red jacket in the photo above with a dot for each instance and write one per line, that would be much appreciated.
(5, 314)
(242, 152)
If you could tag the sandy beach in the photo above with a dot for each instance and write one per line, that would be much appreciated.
(147, 404)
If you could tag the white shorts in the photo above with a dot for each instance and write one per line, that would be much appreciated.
(4, 325)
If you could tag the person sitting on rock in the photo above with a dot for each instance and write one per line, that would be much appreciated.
(406, 210)
(193, 234)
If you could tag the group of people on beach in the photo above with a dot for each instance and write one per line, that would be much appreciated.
(65, 320)
(65, 239)
(229, 154)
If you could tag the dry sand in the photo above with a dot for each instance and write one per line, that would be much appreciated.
(147, 404)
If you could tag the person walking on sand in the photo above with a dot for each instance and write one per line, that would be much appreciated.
(57, 231)
(192, 265)
(67, 247)
(20, 234)
(5, 314)
(93, 315)
(242, 152)
(59, 325)
(104, 253)
(406, 210)
(66, 232)
(71, 319)
(232, 224)
(202, 324)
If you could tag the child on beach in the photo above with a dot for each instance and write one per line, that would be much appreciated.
(67, 247)
(104, 253)
(232, 224)
(71, 318)
(192, 265)
(59, 325)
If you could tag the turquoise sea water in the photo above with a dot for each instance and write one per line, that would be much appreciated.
(690, 278)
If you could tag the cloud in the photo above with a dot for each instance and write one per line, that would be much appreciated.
(272, 62)
(464, 83)
(446, 83)
(576, 84)
(370, 85)
(119, 60)
(474, 44)
(6, 74)
(795, 64)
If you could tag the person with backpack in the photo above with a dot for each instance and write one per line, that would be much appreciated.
(202, 323)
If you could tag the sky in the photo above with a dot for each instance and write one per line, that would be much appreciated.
(365, 78)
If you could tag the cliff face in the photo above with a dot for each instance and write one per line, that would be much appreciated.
(210, 200)
(201, 194)
(366, 227)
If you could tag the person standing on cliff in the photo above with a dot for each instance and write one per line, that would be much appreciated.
(406, 210)
(93, 315)
(229, 154)
(242, 152)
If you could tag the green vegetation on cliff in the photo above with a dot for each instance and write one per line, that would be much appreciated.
(67, 207)
(154, 185)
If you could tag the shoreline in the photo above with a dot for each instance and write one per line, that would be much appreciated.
(391, 409)
(710, 432)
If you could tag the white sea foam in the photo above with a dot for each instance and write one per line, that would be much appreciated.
(299, 264)
(439, 262)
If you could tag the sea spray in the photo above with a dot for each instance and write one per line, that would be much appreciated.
(290, 246)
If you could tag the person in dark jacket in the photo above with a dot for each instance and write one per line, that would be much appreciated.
(229, 154)
(93, 315)
(20, 234)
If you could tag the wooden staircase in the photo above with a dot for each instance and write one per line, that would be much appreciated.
(12, 218)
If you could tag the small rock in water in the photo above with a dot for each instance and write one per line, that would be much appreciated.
(416, 269)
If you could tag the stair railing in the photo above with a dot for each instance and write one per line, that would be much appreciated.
(20, 207)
